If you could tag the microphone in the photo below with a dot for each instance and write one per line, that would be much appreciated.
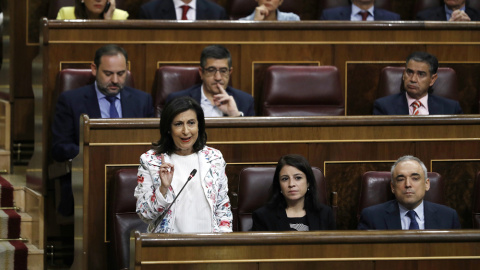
(162, 216)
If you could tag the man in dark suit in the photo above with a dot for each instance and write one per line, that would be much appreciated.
(174, 10)
(214, 94)
(415, 97)
(453, 10)
(110, 71)
(409, 211)
(360, 10)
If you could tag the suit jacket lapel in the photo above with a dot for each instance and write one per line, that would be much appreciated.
(431, 221)
(313, 221)
(168, 10)
(196, 94)
(433, 106)
(201, 10)
(346, 13)
(401, 107)
(91, 103)
(392, 216)
(127, 107)
(282, 220)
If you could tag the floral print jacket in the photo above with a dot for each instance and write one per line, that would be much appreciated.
(151, 203)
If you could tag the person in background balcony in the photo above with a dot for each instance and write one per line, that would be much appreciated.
(293, 204)
(92, 9)
(453, 10)
(359, 10)
(192, 10)
(267, 10)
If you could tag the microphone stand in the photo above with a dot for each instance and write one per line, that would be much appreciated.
(162, 216)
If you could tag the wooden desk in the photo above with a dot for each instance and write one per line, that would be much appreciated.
(375, 250)
(344, 147)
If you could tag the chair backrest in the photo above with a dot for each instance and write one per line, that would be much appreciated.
(69, 79)
(325, 4)
(302, 91)
(253, 191)
(425, 4)
(241, 8)
(476, 203)
(169, 79)
(391, 82)
(375, 189)
(123, 215)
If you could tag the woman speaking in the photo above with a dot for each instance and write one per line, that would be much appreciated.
(171, 197)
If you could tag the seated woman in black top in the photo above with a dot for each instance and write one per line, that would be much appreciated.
(293, 204)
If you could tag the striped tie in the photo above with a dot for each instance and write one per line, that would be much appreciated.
(416, 107)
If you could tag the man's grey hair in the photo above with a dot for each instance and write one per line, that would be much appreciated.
(406, 158)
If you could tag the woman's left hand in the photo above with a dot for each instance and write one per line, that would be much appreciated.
(109, 14)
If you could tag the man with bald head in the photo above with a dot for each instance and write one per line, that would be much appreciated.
(409, 210)
(453, 10)
(359, 10)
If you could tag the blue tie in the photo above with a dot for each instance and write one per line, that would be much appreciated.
(113, 110)
(413, 221)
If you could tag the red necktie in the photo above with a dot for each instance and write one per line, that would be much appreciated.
(364, 15)
(416, 107)
(185, 9)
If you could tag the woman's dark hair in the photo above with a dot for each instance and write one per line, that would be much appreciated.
(171, 110)
(80, 10)
(311, 197)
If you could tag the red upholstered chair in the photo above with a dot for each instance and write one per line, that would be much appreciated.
(375, 189)
(69, 79)
(324, 4)
(123, 216)
(476, 203)
(302, 91)
(169, 79)
(425, 4)
(241, 8)
(391, 82)
(253, 191)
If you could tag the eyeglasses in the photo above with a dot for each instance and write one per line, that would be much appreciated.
(211, 71)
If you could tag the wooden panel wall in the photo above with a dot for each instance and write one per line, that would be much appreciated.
(309, 250)
(343, 147)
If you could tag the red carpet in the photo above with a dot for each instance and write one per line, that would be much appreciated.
(14, 253)
(6, 193)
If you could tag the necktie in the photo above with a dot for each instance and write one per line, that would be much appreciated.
(364, 15)
(416, 107)
(413, 221)
(113, 110)
(185, 9)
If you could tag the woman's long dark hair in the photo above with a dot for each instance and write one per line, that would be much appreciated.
(311, 197)
(171, 110)
(81, 10)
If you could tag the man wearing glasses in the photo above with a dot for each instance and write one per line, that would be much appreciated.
(214, 95)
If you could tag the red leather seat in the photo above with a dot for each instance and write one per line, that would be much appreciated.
(376, 189)
(123, 216)
(253, 192)
(241, 8)
(391, 82)
(169, 79)
(69, 79)
(302, 91)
